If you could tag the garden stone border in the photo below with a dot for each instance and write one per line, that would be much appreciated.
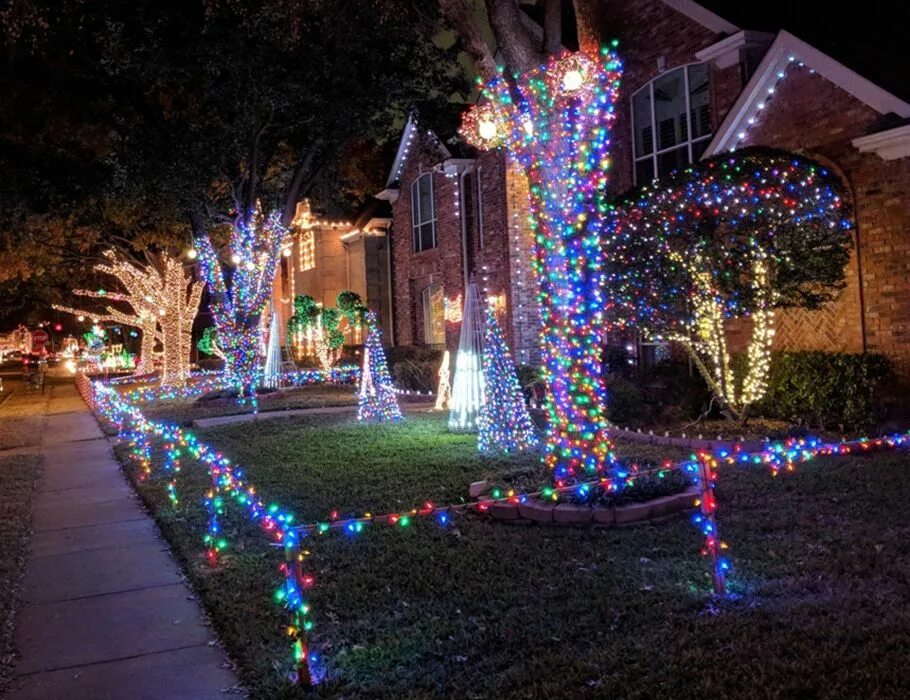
(686, 442)
(535, 510)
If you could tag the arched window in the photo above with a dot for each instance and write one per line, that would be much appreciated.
(671, 118)
(433, 302)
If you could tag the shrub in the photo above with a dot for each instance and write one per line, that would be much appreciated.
(415, 368)
(826, 390)
(625, 402)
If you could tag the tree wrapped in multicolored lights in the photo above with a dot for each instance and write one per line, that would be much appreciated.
(504, 424)
(556, 121)
(376, 399)
(735, 236)
(240, 290)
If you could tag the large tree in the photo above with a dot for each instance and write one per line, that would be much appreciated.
(131, 124)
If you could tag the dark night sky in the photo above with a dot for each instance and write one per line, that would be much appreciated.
(870, 36)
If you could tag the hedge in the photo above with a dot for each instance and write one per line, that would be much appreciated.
(826, 390)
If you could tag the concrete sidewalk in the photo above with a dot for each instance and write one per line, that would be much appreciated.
(105, 612)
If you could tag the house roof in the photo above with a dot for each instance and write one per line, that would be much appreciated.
(410, 132)
(869, 38)
(785, 53)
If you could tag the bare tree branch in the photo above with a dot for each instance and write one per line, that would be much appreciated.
(461, 16)
(512, 38)
(552, 27)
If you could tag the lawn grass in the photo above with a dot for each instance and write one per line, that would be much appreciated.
(185, 411)
(19, 477)
(483, 609)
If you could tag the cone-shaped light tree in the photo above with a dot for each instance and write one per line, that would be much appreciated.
(272, 367)
(504, 424)
(376, 398)
(467, 386)
(240, 288)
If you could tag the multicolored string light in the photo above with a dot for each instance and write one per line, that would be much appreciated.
(556, 120)
(376, 399)
(503, 423)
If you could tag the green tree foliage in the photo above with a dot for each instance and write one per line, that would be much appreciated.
(124, 124)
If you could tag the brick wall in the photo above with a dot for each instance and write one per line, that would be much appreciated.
(812, 116)
(487, 240)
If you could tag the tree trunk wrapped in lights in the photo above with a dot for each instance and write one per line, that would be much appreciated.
(556, 121)
(159, 294)
(376, 399)
(504, 424)
(238, 299)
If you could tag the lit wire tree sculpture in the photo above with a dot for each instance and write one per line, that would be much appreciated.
(444, 388)
(376, 399)
(239, 297)
(467, 386)
(504, 424)
(272, 368)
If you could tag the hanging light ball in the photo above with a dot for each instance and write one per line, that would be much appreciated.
(250, 265)
(235, 258)
(286, 252)
(192, 253)
(572, 80)
(487, 130)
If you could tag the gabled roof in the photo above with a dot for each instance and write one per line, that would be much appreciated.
(703, 16)
(784, 53)
(411, 130)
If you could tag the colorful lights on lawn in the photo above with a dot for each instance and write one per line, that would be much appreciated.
(503, 423)
(376, 399)
(556, 121)
(228, 482)
(237, 304)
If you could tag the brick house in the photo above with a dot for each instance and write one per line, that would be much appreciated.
(329, 257)
(694, 85)
(454, 220)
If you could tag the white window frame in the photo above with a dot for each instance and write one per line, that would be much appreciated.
(417, 216)
(655, 153)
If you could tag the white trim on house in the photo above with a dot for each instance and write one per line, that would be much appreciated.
(411, 130)
(702, 15)
(887, 145)
(729, 51)
(785, 51)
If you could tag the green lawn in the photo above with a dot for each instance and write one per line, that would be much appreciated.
(484, 609)
(185, 411)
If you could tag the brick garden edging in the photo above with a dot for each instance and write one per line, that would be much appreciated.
(535, 510)
(686, 442)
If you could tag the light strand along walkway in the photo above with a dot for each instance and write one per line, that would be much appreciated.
(105, 613)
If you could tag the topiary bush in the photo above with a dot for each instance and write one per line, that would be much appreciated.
(826, 390)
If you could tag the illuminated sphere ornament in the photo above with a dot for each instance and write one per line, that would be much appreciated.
(235, 259)
(481, 126)
(192, 253)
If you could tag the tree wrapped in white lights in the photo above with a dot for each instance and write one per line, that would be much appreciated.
(240, 290)
(159, 294)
